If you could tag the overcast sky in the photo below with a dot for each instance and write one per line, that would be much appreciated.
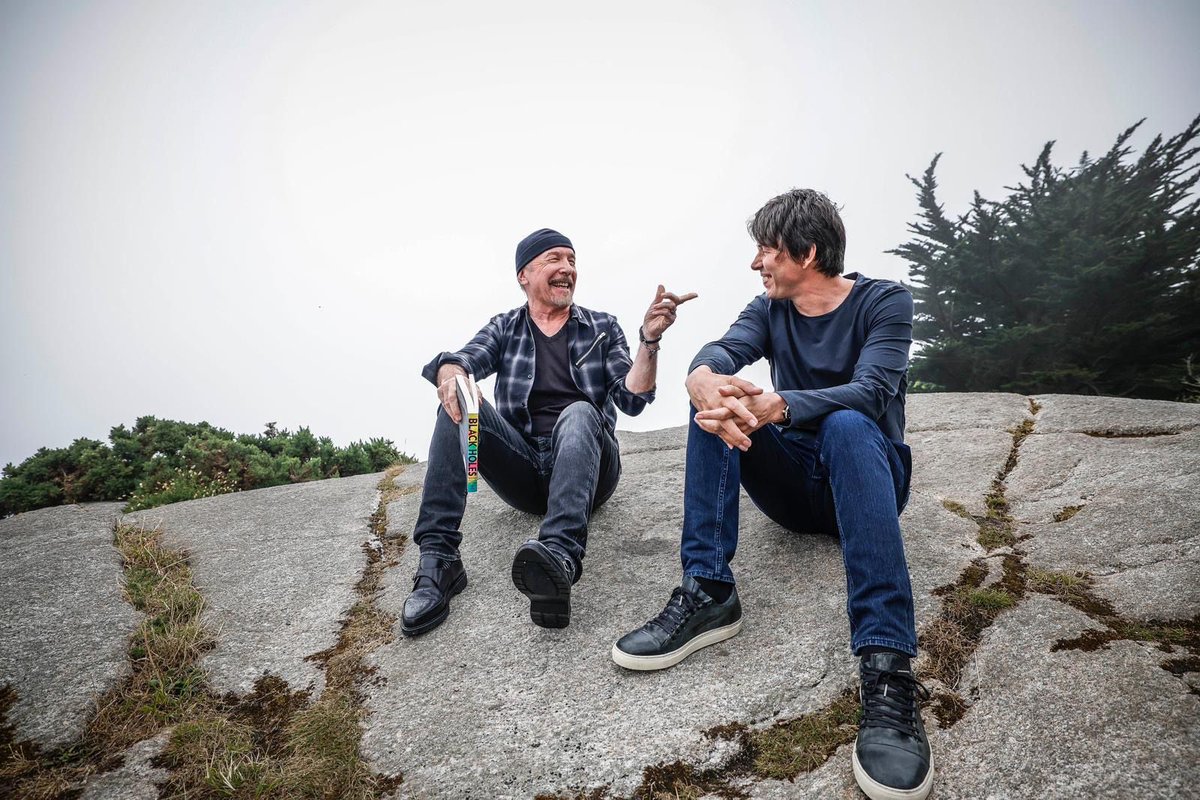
(246, 212)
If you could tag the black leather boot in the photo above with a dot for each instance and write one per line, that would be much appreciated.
(436, 581)
(545, 577)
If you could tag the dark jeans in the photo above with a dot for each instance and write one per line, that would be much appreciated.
(564, 476)
(845, 479)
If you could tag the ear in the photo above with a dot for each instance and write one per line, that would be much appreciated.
(810, 258)
(521, 279)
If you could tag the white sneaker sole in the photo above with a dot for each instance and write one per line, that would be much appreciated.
(877, 791)
(672, 658)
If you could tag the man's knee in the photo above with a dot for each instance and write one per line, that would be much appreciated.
(847, 428)
(579, 417)
(443, 419)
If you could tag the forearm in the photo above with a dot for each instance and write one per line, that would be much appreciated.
(715, 358)
(807, 405)
(643, 375)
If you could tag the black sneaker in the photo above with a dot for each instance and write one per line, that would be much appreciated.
(545, 577)
(891, 755)
(690, 621)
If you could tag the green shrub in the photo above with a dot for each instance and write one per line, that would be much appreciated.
(163, 461)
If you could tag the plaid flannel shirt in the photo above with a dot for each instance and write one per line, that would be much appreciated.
(599, 363)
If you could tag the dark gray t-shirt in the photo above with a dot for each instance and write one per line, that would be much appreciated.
(553, 387)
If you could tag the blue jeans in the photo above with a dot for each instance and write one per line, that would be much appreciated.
(845, 479)
(564, 476)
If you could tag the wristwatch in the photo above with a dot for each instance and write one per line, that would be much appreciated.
(786, 422)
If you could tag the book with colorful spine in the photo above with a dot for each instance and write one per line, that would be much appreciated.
(468, 405)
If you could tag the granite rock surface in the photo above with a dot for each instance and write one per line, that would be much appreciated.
(277, 569)
(64, 627)
(1059, 697)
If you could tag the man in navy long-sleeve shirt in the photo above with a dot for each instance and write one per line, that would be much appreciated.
(824, 452)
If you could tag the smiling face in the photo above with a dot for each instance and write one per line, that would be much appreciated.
(781, 274)
(549, 279)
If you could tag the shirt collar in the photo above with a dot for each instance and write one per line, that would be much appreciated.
(576, 314)
(579, 316)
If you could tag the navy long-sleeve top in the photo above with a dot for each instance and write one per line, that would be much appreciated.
(855, 357)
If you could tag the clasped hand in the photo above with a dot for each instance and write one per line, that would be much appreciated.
(730, 407)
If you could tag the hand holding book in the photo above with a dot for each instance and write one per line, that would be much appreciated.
(447, 390)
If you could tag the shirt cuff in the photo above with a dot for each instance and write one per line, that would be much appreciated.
(430, 371)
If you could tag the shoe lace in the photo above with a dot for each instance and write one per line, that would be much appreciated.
(681, 606)
(890, 700)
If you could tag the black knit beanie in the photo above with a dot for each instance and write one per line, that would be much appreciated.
(537, 243)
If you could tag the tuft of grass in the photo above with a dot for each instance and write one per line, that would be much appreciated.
(991, 599)
(166, 685)
(40, 783)
(674, 781)
(19, 761)
(1066, 513)
(1076, 590)
(211, 753)
(945, 648)
(955, 507)
(1108, 433)
(968, 609)
(785, 750)
(994, 536)
(997, 528)
(323, 759)
(949, 707)
(781, 751)
(1168, 633)
(1058, 583)
(388, 493)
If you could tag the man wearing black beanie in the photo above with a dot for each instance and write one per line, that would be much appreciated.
(548, 444)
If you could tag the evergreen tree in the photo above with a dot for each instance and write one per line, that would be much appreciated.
(1082, 280)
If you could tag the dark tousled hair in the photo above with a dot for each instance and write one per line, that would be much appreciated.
(797, 220)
